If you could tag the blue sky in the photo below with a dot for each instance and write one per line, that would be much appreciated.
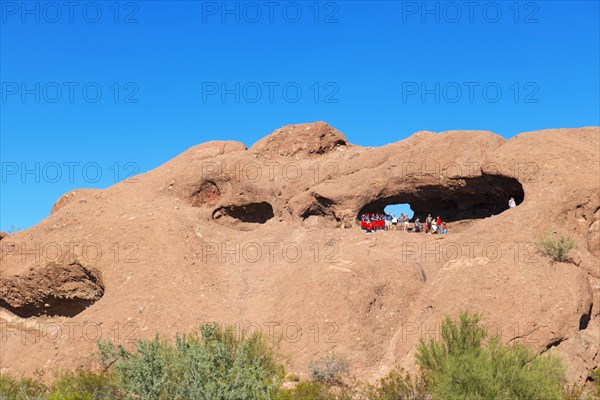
(94, 91)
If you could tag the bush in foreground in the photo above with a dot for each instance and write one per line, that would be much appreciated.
(330, 368)
(459, 367)
(214, 365)
(397, 385)
(314, 391)
(83, 384)
(21, 389)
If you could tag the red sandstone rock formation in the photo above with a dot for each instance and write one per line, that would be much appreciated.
(266, 238)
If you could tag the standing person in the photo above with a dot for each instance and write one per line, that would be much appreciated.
(388, 222)
(417, 225)
(428, 223)
(511, 203)
(394, 221)
(406, 222)
(438, 221)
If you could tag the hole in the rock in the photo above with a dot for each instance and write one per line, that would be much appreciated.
(467, 198)
(397, 209)
(554, 343)
(585, 319)
(259, 212)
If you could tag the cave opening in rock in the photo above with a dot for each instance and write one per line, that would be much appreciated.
(460, 199)
(259, 212)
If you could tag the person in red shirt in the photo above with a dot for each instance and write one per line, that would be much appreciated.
(438, 221)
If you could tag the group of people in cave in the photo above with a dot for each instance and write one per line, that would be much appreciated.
(386, 222)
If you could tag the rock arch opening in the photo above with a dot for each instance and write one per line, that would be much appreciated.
(466, 198)
(397, 209)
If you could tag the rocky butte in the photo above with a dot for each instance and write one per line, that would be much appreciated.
(266, 238)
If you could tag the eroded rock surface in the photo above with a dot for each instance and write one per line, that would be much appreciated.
(55, 289)
(266, 238)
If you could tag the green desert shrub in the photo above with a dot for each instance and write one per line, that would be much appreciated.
(213, 365)
(555, 246)
(83, 384)
(574, 392)
(330, 368)
(314, 391)
(596, 380)
(23, 388)
(71, 396)
(459, 367)
(397, 385)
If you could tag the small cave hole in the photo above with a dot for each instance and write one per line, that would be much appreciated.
(585, 319)
(259, 212)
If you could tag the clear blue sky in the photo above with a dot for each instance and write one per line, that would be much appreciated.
(106, 87)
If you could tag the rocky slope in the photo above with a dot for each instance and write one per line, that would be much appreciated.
(265, 238)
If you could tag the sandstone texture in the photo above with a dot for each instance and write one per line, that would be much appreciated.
(266, 238)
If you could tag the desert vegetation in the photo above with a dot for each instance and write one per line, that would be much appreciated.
(215, 363)
(556, 246)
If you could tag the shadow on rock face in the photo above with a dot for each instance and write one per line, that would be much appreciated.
(320, 212)
(244, 216)
(53, 290)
